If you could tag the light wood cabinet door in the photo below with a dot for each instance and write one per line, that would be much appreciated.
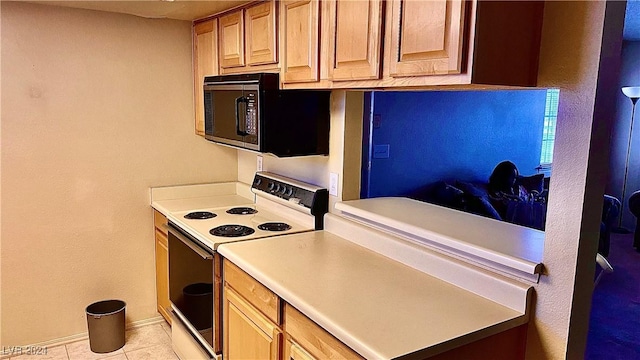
(300, 31)
(232, 40)
(355, 39)
(260, 34)
(426, 37)
(247, 333)
(162, 276)
(205, 63)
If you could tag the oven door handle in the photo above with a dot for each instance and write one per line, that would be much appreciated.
(197, 249)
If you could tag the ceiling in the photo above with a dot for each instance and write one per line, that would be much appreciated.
(632, 21)
(170, 9)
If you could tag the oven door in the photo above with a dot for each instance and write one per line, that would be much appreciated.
(191, 286)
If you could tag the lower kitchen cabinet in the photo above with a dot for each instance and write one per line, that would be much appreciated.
(248, 334)
(293, 351)
(250, 317)
(254, 319)
(307, 340)
(162, 265)
(252, 325)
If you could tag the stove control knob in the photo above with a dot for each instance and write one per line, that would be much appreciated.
(270, 186)
(277, 188)
(284, 189)
(290, 191)
(257, 182)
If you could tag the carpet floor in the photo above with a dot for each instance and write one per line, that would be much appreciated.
(614, 330)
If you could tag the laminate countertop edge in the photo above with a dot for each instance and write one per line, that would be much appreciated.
(507, 320)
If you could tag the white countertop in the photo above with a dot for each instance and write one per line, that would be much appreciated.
(197, 197)
(510, 247)
(375, 305)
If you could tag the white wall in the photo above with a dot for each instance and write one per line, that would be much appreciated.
(344, 158)
(96, 108)
(1, 176)
(571, 59)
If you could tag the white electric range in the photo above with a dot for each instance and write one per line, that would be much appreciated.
(282, 206)
(218, 225)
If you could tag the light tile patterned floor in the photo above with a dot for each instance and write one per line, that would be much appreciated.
(151, 342)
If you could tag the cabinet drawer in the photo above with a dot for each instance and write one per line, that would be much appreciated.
(254, 292)
(160, 222)
(314, 339)
(293, 351)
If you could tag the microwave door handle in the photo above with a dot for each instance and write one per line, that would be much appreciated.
(238, 130)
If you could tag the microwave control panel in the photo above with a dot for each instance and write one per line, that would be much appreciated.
(251, 127)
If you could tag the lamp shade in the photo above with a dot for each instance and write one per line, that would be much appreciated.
(632, 92)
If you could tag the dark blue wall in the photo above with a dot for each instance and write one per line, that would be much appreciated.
(629, 76)
(449, 135)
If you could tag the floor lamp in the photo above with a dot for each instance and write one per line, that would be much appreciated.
(633, 93)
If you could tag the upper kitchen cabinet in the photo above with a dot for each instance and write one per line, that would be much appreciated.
(453, 42)
(300, 39)
(205, 63)
(232, 40)
(383, 44)
(261, 36)
(506, 43)
(355, 39)
(249, 40)
(426, 37)
(461, 43)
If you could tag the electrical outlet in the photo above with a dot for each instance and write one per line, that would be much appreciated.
(333, 184)
(258, 163)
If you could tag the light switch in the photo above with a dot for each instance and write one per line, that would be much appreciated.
(333, 184)
(381, 151)
(259, 163)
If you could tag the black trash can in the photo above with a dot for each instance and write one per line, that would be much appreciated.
(198, 301)
(105, 320)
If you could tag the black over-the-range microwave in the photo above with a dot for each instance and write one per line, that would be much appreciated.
(249, 111)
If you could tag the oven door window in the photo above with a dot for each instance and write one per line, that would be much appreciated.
(191, 283)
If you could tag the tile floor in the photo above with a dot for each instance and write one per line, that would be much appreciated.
(151, 342)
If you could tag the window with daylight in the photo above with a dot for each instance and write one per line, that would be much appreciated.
(549, 129)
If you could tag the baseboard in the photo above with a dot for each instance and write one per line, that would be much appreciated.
(85, 335)
(150, 321)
